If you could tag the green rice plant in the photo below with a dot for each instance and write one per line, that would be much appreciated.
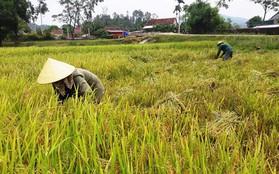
(168, 108)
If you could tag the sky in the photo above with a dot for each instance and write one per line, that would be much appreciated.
(163, 8)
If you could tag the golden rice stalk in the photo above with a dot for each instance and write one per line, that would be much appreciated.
(224, 123)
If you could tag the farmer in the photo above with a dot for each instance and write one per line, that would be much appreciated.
(227, 50)
(68, 80)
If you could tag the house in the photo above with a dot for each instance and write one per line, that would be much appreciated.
(77, 32)
(56, 33)
(163, 21)
(270, 26)
(274, 18)
(267, 29)
(116, 32)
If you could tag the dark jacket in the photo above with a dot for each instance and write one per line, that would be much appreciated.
(225, 48)
(84, 82)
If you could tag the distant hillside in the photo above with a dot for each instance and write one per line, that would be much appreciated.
(34, 26)
(237, 20)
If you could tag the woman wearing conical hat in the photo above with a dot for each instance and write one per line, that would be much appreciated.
(67, 80)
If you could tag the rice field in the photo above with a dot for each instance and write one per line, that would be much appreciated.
(168, 108)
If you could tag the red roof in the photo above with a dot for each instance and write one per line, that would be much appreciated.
(166, 21)
(78, 30)
(56, 32)
(112, 28)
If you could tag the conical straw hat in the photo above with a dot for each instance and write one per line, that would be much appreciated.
(54, 70)
(220, 42)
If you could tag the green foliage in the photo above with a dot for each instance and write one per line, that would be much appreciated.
(132, 23)
(97, 24)
(165, 28)
(253, 21)
(47, 36)
(14, 16)
(23, 26)
(29, 37)
(183, 27)
(52, 27)
(72, 43)
(74, 11)
(11, 13)
(101, 33)
(202, 18)
(224, 26)
(42, 7)
(248, 43)
(35, 37)
(66, 28)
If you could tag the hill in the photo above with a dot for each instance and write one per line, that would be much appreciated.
(237, 20)
(33, 26)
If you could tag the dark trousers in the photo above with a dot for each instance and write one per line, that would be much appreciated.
(228, 54)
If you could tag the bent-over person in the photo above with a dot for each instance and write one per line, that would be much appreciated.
(226, 49)
(69, 81)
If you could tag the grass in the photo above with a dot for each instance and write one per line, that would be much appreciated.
(246, 41)
(168, 108)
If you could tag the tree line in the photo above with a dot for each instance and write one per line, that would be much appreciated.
(15, 14)
(131, 22)
(198, 17)
(202, 18)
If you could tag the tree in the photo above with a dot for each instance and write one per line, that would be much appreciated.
(66, 28)
(101, 33)
(52, 27)
(23, 26)
(147, 16)
(5, 18)
(154, 16)
(41, 9)
(35, 11)
(253, 21)
(223, 3)
(177, 11)
(138, 19)
(19, 13)
(165, 28)
(130, 23)
(267, 5)
(202, 18)
(75, 10)
(88, 26)
(12, 12)
(99, 22)
(137, 16)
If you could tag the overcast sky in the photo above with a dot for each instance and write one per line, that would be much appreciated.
(163, 8)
